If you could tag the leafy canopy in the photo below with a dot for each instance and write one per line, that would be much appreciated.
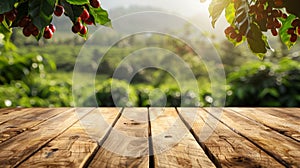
(249, 19)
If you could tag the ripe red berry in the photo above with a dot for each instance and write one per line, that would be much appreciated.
(52, 27)
(298, 30)
(1, 18)
(59, 10)
(239, 38)
(77, 27)
(74, 30)
(48, 33)
(11, 16)
(84, 15)
(35, 32)
(233, 35)
(83, 30)
(284, 16)
(296, 23)
(228, 30)
(89, 21)
(26, 31)
(32, 27)
(277, 24)
(291, 31)
(95, 3)
(24, 21)
(293, 38)
(274, 32)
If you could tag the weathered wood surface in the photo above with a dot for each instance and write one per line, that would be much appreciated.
(149, 137)
(173, 144)
(127, 144)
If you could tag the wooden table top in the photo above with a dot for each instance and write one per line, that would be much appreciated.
(149, 137)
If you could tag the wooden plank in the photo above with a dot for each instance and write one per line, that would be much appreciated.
(229, 148)
(7, 110)
(25, 122)
(127, 144)
(17, 149)
(282, 148)
(13, 113)
(75, 146)
(291, 113)
(173, 144)
(277, 120)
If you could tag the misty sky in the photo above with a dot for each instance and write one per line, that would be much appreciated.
(182, 7)
(193, 10)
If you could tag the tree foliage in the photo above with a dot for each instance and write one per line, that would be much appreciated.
(35, 16)
(249, 19)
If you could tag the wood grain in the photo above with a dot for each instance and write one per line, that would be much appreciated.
(73, 147)
(13, 113)
(282, 148)
(278, 120)
(17, 149)
(127, 143)
(23, 123)
(229, 148)
(173, 144)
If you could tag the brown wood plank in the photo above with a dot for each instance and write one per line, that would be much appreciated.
(127, 144)
(173, 144)
(277, 120)
(7, 110)
(282, 148)
(291, 113)
(12, 113)
(25, 122)
(75, 146)
(229, 148)
(17, 149)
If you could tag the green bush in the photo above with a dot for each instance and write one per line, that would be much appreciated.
(116, 87)
(265, 84)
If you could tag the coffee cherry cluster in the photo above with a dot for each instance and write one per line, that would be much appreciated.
(78, 26)
(11, 15)
(26, 23)
(30, 29)
(267, 16)
(233, 34)
(294, 30)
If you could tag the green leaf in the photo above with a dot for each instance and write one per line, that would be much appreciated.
(41, 12)
(101, 16)
(257, 41)
(286, 24)
(72, 11)
(78, 2)
(215, 8)
(230, 13)
(6, 6)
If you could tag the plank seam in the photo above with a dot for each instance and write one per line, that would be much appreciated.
(49, 140)
(272, 128)
(99, 144)
(208, 153)
(150, 143)
(277, 158)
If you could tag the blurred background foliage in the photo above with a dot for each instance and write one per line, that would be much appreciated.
(34, 74)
